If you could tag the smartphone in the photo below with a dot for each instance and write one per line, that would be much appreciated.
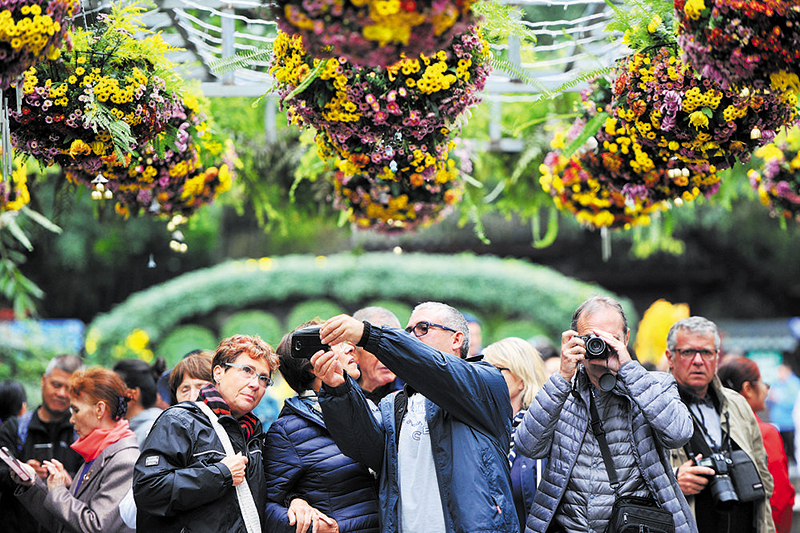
(43, 451)
(305, 342)
(15, 465)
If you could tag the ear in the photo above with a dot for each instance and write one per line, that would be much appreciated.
(218, 372)
(100, 409)
(135, 394)
(458, 340)
(669, 356)
(748, 391)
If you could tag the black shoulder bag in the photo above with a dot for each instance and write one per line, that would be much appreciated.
(630, 514)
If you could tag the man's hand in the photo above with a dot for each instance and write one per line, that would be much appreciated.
(573, 351)
(37, 466)
(691, 478)
(619, 352)
(341, 328)
(301, 513)
(237, 464)
(328, 368)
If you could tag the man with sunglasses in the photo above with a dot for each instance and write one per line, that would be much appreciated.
(440, 445)
(723, 422)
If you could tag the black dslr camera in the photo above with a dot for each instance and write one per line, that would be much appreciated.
(596, 348)
(305, 342)
(721, 483)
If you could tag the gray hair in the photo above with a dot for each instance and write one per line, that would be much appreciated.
(67, 362)
(452, 318)
(597, 302)
(693, 324)
(377, 316)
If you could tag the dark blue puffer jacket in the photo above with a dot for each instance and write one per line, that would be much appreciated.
(301, 460)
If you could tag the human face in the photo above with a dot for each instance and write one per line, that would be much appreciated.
(694, 373)
(86, 415)
(374, 374)
(515, 386)
(189, 389)
(441, 339)
(55, 395)
(346, 353)
(602, 319)
(756, 394)
(242, 393)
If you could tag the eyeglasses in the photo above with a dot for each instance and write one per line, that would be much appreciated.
(263, 379)
(766, 385)
(690, 353)
(420, 329)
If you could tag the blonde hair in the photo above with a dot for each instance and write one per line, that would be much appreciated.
(522, 360)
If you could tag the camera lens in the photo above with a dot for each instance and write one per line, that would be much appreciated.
(595, 347)
(722, 490)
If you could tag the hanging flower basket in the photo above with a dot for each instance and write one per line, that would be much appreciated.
(177, 179)
(679, 114)
(103, 99)
(14, 192)
(31, 31)
(374, 33)
(357, 106)
(778, 183)
(402, 198)
(733, 42)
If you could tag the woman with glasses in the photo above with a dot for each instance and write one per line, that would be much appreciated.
(742, 375)
(200, 469)
(309, 480)
(524, 372)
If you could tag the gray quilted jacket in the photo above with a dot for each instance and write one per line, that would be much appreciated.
(558, 420)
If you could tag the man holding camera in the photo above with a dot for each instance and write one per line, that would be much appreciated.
(725, 492)
(440, 446)
(604, 423)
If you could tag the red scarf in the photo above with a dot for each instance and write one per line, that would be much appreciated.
(90, 446)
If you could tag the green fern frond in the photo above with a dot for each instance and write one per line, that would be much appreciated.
(100, 118)
(574, 82)
(516, 72)
(645, 23)
(589, 130)
(499, 21)
(224, 65)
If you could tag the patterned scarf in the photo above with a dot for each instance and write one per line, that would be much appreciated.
(212, 398)
(512, 453)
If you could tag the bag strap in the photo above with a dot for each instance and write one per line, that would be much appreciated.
(600, 435)
(243, 494)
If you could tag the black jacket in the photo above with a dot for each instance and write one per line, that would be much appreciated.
(13, 516)
(301, 460)
(179, 482)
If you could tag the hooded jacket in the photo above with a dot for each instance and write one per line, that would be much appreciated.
(468, 412)
(301, 460)
(179, 482)
(558, 420)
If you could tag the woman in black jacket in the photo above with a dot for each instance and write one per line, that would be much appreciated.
(308, 477)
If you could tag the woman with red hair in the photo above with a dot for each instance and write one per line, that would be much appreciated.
(90, 502)
(742, 375)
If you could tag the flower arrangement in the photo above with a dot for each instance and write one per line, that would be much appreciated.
(14, 192)
(374, 33)
(740, 41)
(31, 31)
(107, 96)
(360, 107)
(176, 179)
(682, 115)
(778, 184)
(399, 198)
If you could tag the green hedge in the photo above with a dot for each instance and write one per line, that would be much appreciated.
(503, 289)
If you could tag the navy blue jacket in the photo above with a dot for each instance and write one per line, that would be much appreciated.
(469, 418)
(301, 460)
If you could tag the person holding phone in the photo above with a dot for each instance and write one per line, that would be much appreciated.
(89, 502)
(39, 435)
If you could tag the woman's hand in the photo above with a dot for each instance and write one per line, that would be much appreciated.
(31, 475)
(302, 514)
(58, 476)
(237, 464)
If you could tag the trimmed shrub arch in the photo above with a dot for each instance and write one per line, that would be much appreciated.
(503, 289)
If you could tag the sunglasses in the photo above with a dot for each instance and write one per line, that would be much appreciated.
(420, 329)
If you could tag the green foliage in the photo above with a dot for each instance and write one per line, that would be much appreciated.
(305, 311)
(253, 322)
(183, 340)
(524, 329)
(504, 288)
(401, 310)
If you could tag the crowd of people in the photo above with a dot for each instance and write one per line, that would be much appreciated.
(404, 430)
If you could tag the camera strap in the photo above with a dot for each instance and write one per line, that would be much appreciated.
(600, 435)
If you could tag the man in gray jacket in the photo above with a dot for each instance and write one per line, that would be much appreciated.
(640, 414)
